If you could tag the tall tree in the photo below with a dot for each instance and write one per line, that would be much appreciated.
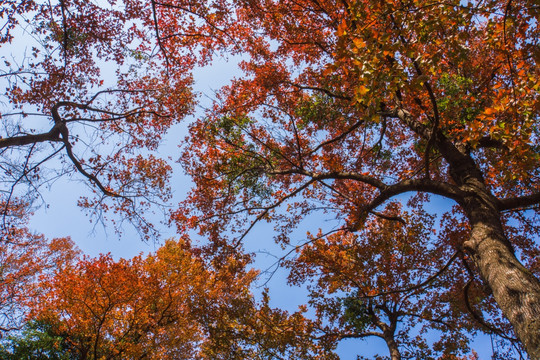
(346, 105)
(381, 283)
(84, 93)
(169, 305)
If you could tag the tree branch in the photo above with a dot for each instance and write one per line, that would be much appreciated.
(53, 135)
(519, 202)
(418, 185)
(479, 318)
(337, 138)
(64, 132)
(319, 89)
(267, 210)
(489, 142)
(417, 286)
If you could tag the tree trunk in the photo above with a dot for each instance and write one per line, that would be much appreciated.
(392, 346)
(516, 290)
(388, 330)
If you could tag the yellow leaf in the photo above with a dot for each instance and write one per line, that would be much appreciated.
(342, 28)
(362, 90)
(359, 43)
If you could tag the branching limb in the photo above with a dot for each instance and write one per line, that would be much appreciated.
(52, 136)
(418, 185)
(335, 175)
(275, 266)
(23, 175)
(519, 202)
(386, 191)
(158, 35)
(64, 132)
(420, 285)
(389, 217)
(437, 321)
(338, 138)
(269, 208)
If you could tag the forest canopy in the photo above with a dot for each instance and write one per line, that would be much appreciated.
(361, 112)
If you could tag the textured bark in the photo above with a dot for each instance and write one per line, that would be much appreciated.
(516, 290)
(392, 346)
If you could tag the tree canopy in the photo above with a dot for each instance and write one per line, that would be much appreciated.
(360, 111)
(84, 96)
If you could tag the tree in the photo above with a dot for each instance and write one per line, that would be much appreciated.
(168, 305)
(25, 257)
(379, 283)
(36, 342)
(347, 105)
(131, 308)
(85, 95)
(344, 106)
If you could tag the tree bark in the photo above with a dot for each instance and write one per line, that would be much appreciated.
(388, 330)
(516, 289)
(22, 140)
(392, 346)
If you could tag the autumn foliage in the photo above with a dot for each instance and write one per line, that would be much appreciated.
(25, 258)
(380, 282)
(146, 307)
(167, 305)
(345, 107)
(411, 125)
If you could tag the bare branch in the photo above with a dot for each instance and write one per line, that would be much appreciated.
(337, 138)
(267, 209)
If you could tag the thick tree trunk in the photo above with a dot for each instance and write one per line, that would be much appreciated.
(516, 290)
(392, 346)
